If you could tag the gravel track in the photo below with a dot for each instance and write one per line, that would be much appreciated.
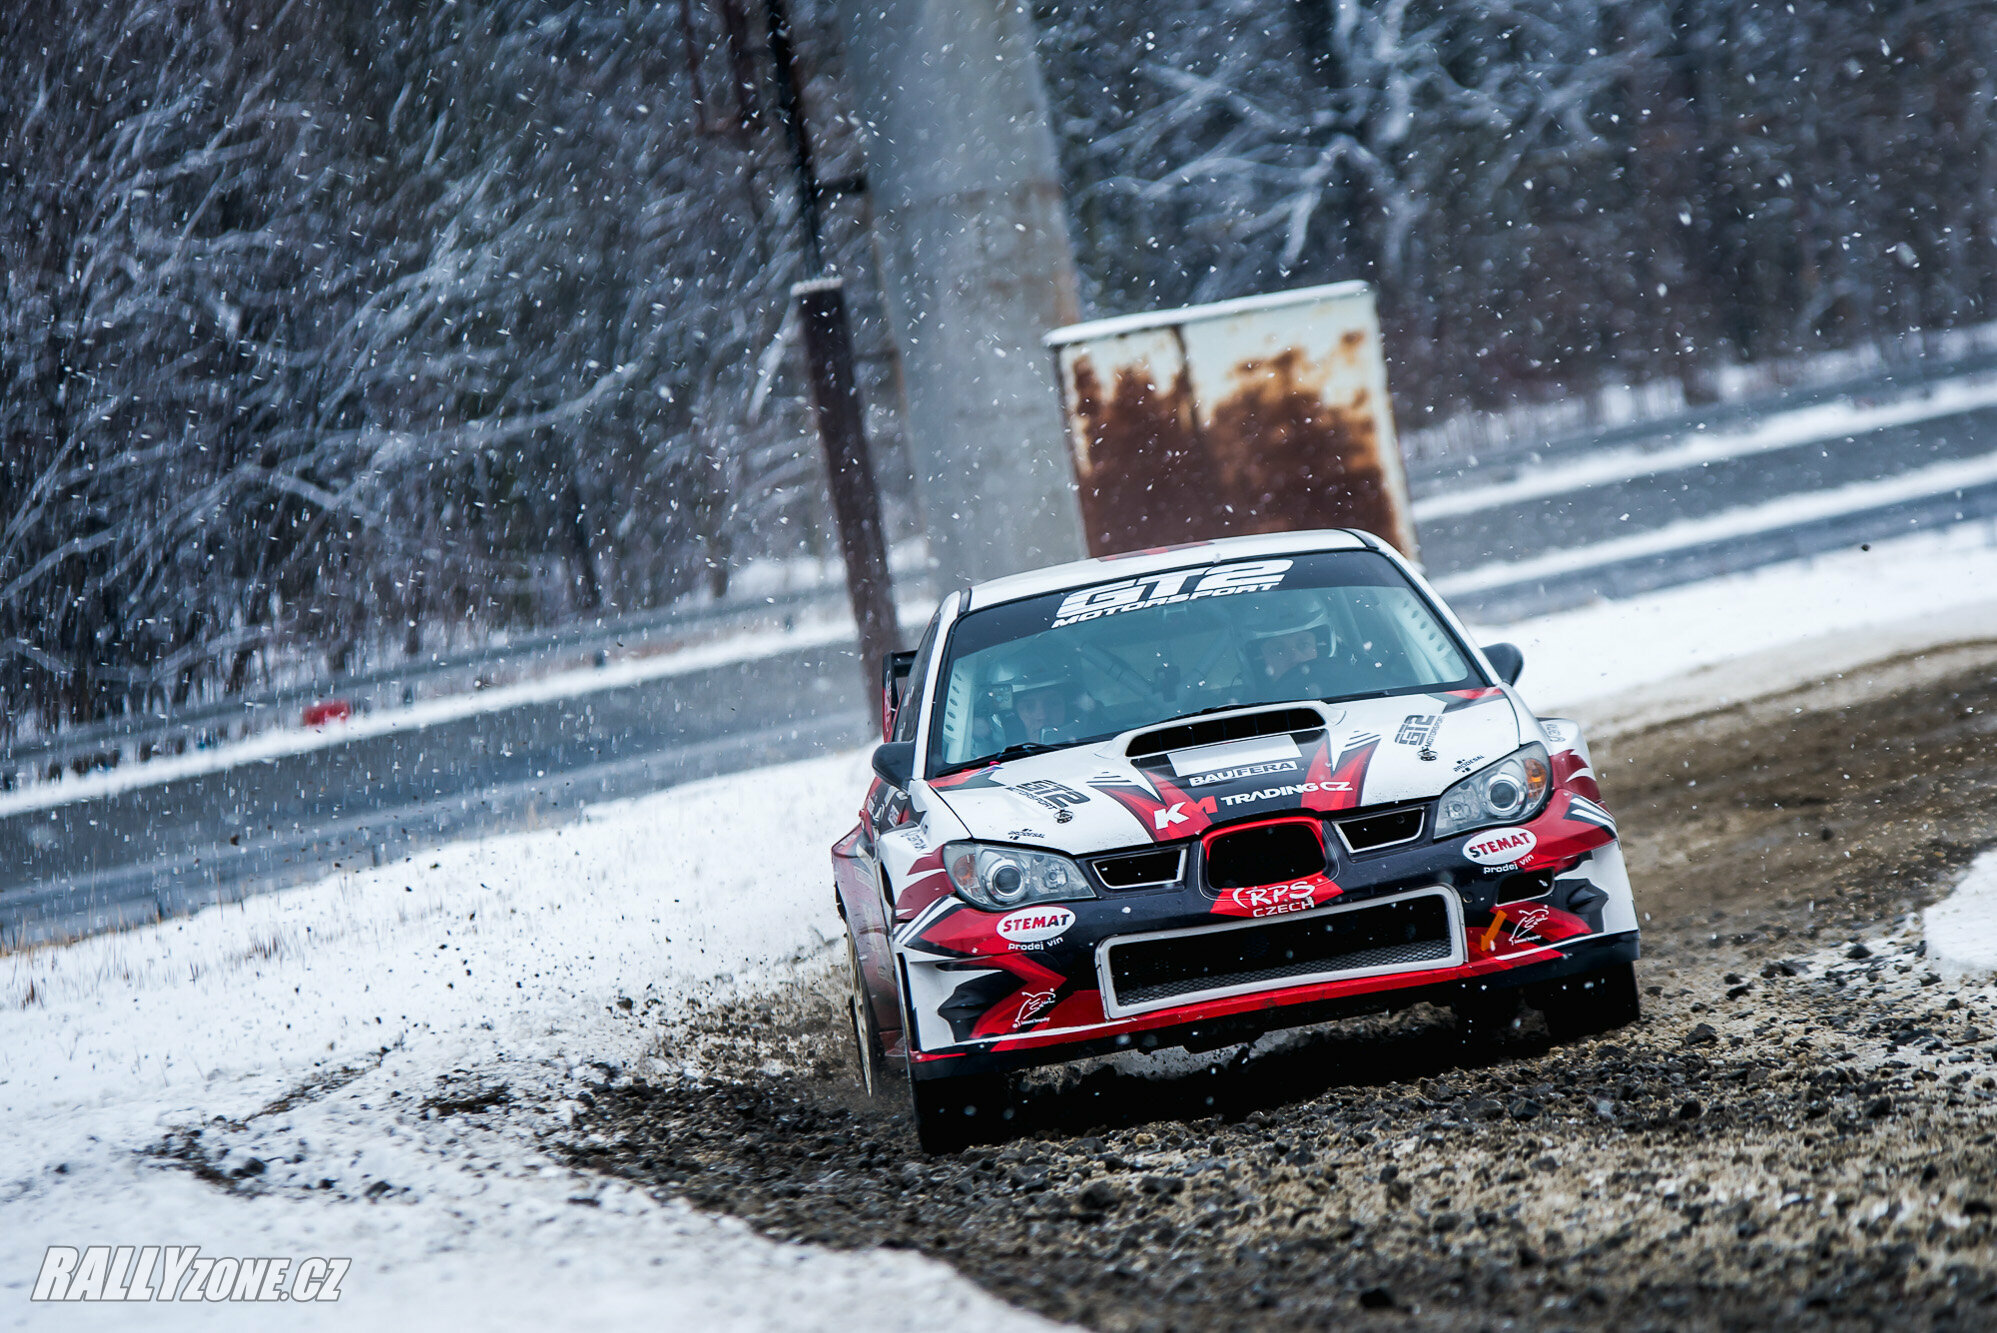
(1799, 1133)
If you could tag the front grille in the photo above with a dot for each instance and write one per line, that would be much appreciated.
(1402, 933)
(1139, 870)
(1390, 829)
(1264, 854)
(1213, 731)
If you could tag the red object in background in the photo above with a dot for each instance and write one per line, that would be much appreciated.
(327, 710)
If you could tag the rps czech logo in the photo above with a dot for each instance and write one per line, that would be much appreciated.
(1035, 925)
(1501, 848)
(1277, 899)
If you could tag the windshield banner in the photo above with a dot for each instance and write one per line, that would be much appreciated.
(1175, 585)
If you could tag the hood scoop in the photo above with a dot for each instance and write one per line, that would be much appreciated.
(1217, 730)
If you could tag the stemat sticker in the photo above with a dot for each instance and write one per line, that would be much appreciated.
(1500, 846)
(1034, 924)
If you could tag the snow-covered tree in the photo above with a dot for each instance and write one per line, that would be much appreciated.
(338, 330)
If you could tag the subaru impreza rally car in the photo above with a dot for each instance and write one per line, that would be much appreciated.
(1187, 796)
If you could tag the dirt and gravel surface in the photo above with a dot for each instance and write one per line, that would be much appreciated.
(1802, 1131)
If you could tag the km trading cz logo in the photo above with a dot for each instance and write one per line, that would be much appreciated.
(1177, 585)
(181, 1273)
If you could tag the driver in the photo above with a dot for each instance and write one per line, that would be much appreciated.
(1034, 699)
(1042, 713)
(1288, 646)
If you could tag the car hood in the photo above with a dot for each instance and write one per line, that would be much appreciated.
(1185, 776)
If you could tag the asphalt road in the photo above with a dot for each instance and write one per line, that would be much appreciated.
(103, 862)
(158, 850)
(1569, 519)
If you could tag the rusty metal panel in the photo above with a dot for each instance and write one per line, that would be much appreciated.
(1265, 414)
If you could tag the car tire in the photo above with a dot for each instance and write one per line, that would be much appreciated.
(867, 1053)
(1585, 1005)
(953, 1113)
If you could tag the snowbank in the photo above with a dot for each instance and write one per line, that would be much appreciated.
(1961, 929)
(1833, 420)
(1841, 503)
(1731, 638)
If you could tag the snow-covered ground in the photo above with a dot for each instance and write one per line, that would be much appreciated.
(1709, 643)
(304, 1029)
(315, 1021)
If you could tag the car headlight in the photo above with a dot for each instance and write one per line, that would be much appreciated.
(1507, 792)
(1000, 878)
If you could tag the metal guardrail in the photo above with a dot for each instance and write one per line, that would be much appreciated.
(1434, 473)
(134, 736)
(126, 739)
(1632, 576)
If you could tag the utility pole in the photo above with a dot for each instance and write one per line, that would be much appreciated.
(976, 266)
(856, 503)
(835, 398)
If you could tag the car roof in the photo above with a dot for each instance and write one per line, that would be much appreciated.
(1081, 573)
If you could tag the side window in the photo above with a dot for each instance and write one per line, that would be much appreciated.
(1423, 649)
(955, 733)
(910, 711)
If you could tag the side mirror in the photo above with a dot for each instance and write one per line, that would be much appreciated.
(894, 764)
(1506, 660)
(894, 687)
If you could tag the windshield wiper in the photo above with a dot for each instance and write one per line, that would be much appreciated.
(1275, 703)
(1017, 751)
(1023, 749)
(1200, 712)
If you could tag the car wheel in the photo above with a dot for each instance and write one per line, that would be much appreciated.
(1585, 1005)
(953, 1113)
(866, 1032)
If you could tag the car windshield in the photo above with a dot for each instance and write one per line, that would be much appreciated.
(1081, 665)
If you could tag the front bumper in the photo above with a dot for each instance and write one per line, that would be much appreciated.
(1285, 1011)
(1179, 966)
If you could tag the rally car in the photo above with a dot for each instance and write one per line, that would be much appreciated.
(1184, 797)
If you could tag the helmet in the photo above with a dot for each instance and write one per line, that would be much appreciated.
(1025, 673)
(1037, 678)
(1270, 618)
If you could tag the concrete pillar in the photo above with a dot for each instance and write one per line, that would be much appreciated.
(976, 266)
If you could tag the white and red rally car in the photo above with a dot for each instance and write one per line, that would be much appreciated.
(1184, 797)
